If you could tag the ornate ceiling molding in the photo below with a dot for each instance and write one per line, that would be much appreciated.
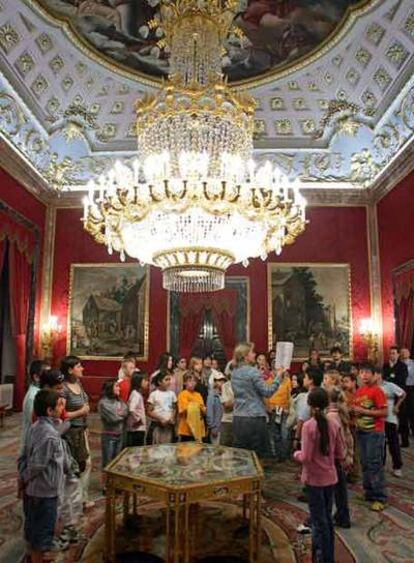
(399, 169)
(342, 124)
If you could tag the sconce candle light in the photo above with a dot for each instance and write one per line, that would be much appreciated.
(50, 333)
(368, 329)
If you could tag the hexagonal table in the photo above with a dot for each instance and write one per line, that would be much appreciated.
(181, 475)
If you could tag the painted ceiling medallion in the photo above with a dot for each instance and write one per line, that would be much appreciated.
(273, 36)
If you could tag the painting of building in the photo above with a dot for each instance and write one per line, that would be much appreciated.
(108, 310)
(310, 306)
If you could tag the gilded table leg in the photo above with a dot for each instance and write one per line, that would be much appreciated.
(168, 533)
(187, 533)
(245, 502)
(126, 506)
(110, 524)
(177, 533)
(251, 527)
(258, 523)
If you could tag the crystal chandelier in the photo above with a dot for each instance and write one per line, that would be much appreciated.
(195, 202)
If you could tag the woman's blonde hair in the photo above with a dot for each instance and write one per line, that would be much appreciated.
(194, 360)
(241, 351)
(337, 397)
(334, 376)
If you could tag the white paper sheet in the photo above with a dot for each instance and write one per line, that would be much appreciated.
(284, 355)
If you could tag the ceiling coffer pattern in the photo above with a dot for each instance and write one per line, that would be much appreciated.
(337, 122)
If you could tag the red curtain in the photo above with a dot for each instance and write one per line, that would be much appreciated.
(404, 294)
(19, 234)
(22, 245)
(193, 307)
(191, 316)
(20, 283)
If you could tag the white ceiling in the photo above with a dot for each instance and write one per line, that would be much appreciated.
(337, 121)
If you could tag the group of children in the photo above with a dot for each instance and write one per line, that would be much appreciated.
(136, 409)
(347, 424)
(329, 423)
(49, 473)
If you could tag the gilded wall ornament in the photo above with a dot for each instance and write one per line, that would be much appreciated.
(341, 117)
(363, 168)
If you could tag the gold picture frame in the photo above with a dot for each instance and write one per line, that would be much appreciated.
(110, 322)
(339, 330)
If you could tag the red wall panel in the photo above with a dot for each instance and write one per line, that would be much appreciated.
(396, 244)
(333, 235)
(22, 201)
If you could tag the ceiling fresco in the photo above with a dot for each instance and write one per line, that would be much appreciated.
(275, 33)
(337, 122)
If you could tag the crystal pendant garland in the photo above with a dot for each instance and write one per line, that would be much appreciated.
(195, 203)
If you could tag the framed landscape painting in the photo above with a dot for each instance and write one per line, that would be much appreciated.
(108, 311)
(310, 305)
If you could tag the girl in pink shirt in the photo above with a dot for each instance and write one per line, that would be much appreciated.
(321, 446)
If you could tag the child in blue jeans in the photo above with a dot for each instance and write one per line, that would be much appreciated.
(42, 468)
(113, 413)
(370, 410)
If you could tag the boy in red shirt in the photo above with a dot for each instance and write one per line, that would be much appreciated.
(370, 410)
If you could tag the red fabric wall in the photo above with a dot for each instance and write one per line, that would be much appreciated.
(17, 197)
(333, 235)
(396, 242)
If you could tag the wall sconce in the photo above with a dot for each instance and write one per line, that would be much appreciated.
(50, 333)
(368, 329)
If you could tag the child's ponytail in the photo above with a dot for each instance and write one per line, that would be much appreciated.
(318, 401)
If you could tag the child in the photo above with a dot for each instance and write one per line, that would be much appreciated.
(321, 446)
(35, 370)
(42, 468)
(349, 386)
(395, 396)
(113, 412)
(338, 412)
(191, 410)
(278, 409)
(162, 408)
(136, 422)
(70, 504)
(215, 408)
(370, 409)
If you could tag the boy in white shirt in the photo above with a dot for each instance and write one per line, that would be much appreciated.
(395, 396)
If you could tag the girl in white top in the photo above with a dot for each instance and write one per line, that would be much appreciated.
(137, 420)
(162, 408)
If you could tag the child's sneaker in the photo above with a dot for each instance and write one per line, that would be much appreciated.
(397, 472)
(303, 529)
(59, 545)
(377, 506)
(69, 534)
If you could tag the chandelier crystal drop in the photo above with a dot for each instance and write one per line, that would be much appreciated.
(194, 202)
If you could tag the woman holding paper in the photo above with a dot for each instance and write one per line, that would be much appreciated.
(249, 414)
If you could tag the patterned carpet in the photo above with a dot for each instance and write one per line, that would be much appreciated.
(221, 532)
